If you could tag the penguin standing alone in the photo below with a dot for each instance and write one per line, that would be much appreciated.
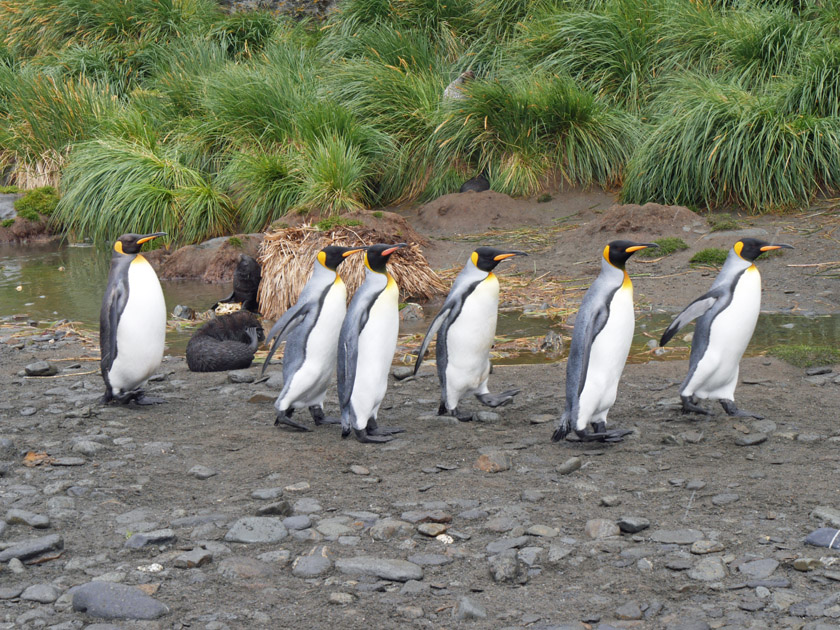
(727, 317)
(132, 322)
(311, 328)
(600, 344)
(366, 347)
(466, 329)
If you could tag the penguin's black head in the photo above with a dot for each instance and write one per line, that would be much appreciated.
(751, 248)
(486, 258)
(333, 255)
(376, 256)
(131, 243)
(617, 252)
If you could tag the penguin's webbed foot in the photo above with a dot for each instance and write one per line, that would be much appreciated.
(604, 436)
(689, 405)
(563, 428)
(376, 430)
(731, 410)
(286, 418)
(142, 399)
(367, 438)
(319, 418)
(456, 413)
(497, 400)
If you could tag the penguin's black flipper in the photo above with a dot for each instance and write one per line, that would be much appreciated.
(499, 399)
(690, 313)
(281, 329)
(113, 305)
(563, 428)
(433, 328)
(731, 410)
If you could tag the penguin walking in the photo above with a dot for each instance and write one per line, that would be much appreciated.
(366, 347)
(600, 345)
(727, 317)
(466, 329)
(132, 322)
(310, 329)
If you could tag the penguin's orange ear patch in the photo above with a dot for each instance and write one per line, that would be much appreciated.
(474, 258)
(322, 258)
(738, 247)
(118, 247)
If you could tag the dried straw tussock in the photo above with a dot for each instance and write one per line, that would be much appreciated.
(286, 257)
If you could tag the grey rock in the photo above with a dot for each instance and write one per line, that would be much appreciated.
(108, 600)
(824, 537)
(202, 472)
(414, 587)
(41, 593)
(314, 564)
(24, 517)
(633, 524)
(497, 546)
(387, 569)
(183, 312)
(388, 528)
(468, 609)
(703, 547)
(32, 548)
(569, 466)
(267, 494)
(243, 568)
(334, 527)
(505, 567)
(473, 514)
(40, 368)
(500, 524)
(278, 508)
(759, 569)
(88, 447)
(530, 555)
(725, 499)
(601, 528)
(257, 529)
(10, 592)
(708, 569)
(402, 372)
(430, 559)
(300, 521)
(307, 505)
(676, 536)
(751, 439)
(341, 599)
(827, 514)
(7, 448)
(241, 376)
(629, 612)
(558, 552)
(198, 557)
(157, 537)
(543, 531)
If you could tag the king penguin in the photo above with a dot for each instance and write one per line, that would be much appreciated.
(727, 317)
(311, 329)
(366, 347)
(132, 322)
(466, 329)
(600, 344)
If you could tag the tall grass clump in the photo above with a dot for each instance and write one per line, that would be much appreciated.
(716, 143)
(244, 33)
(816, 87)
(527, 128)
(44, 118)
(111, 186)
(335, 177)
(610, 50)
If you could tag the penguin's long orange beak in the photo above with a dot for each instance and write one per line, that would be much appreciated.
(148, 237)
(352, 251)
(507, 255)
(636, 248)
(768, 248)
(391, 250)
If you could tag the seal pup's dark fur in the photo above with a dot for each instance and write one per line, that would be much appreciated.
(227, 342)
(246, 283)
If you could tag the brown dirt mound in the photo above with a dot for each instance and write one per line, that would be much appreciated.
(642, 221)
(23, 230)
(212, 261)
(287, 255)
(472, 212)
(390, 226)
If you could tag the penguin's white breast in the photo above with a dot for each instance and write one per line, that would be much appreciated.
(377, 343)
(472, 334)
(141, 331)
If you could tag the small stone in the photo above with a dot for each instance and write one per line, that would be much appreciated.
(569, 466)
(341, 598)
(267, 494)
(202, 472)
(751, 439)
(241, 376)
(677, 536)
(410, 612)
(468, 609)
(725, 498)
(611, 501)
(503, 544)
(10, 592)
(505, 567)
(543, 531)
(430, 559)
(703, 547)
(277, 508)
(108, 600)
(816, 371)
(708, 569)
(488, 416)
(827, 514)
(432, 529)
(388, 528)
(633, 524)
(824, 537)
(87, 447)
(183, 312)
(629, 612)
(32, 548)
(695, 484)
(807, 564)
(359, 470)
(759, 569)
(307, 505)
(542, 418)
(157, 537)
(315, 564)
(300, 521)
(257, 529)
(387, 569)
(41, 368)
(493, 462)
(403, 372)
(192, 559)
(24, 517)
(41, 593)
(601, 528)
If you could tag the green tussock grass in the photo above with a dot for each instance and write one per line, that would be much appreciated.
(40, 201)
(325, 225)
(667, 246)
(7, 223)
(8, 190)
(233, 241)
(712, 257)
(804, 356)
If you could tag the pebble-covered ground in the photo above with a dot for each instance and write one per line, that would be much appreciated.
(201, 514)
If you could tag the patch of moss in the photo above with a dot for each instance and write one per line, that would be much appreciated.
(7, 223)
(37, 201)
(667, 246)
(378, 214)
(806, 356)
(7, 190)
(233, 241)
(333, 222)
(712, 257)
(544, 198)
(723, 224)
(28, 214)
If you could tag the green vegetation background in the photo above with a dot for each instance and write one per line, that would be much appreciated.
(172, 115)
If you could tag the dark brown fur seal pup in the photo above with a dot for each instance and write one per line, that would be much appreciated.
(225, 343)
(246, 283)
